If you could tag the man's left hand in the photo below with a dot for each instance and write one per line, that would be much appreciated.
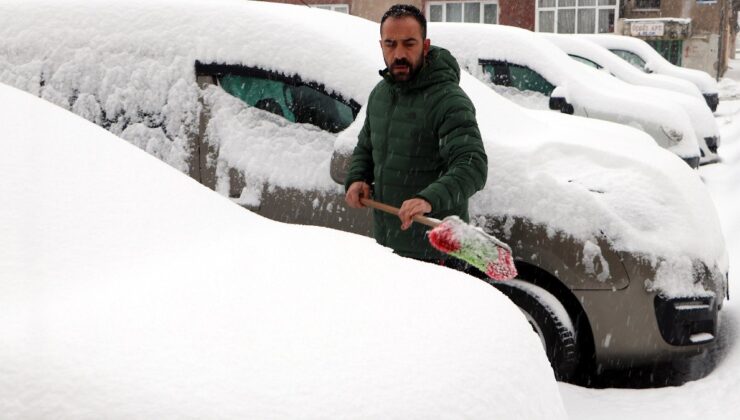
(411, 208)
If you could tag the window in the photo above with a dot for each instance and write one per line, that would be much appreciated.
(647, 4)
(631, 58)
(585, 61)
(670, 49)
(463, 11)
(286, 96)
(516, 76)
(342, 8)
(576, 16)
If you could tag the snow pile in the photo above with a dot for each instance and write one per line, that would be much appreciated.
(592, 92)
(654, 61)
(131, 291)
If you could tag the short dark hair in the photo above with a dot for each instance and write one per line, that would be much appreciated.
(404, 10)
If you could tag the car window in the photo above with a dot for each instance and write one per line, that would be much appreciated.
(287, 96)
(631, 58)
(516, 76)
(585, 61)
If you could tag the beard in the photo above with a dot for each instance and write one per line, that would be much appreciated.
(402, 70)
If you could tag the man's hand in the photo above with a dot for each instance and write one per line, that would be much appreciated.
(411, 208)
(357, 190)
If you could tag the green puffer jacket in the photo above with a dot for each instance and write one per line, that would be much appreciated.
(420, 139)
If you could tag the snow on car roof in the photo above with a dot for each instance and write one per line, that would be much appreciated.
(599, 93)
(573, 44)
(701, 117)
(131, 291)
(130, 69)
(702, 80)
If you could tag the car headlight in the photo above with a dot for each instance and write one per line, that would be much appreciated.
(672, 133)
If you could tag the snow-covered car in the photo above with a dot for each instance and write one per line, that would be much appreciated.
(130, 291)
(612, 238)
(516, 60)
(644, 57)
(599, 57)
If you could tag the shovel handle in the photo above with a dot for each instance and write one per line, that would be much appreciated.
(394, 210)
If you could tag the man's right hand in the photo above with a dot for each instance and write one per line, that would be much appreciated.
(355, 192)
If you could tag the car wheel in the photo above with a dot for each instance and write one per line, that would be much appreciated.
(550, 320)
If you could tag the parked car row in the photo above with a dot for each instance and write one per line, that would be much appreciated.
(614, 237)
(516, 58)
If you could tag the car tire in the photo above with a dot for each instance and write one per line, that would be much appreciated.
(550, 320)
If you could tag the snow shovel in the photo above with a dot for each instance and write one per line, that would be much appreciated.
(463, 241)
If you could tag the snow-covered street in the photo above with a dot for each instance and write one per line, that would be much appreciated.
(713, 395)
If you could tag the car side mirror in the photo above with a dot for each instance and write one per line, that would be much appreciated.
(339, 166)
(647, 68)
(559, 103)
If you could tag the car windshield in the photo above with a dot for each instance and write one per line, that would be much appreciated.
(296, 102)
(631, 58)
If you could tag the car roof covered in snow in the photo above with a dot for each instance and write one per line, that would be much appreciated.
(576, 45)
(655, 61)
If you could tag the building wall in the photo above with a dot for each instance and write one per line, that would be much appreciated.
(518, 13)
(709, 41)
(374, 9)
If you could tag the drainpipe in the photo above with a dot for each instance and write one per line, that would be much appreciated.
(720, 50)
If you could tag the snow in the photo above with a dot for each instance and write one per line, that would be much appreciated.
(683, 21)
(714, 395)
(131, 291)
(591, 92)
(576, 45)
(654, 61)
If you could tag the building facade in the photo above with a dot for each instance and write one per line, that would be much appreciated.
(697, 34)
(692, 33)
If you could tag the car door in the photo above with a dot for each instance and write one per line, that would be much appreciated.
(266, 140)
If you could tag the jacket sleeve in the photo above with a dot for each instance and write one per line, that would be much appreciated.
(362, 166)
(462, 148)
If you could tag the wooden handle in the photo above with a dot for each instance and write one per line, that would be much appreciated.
(393, 210)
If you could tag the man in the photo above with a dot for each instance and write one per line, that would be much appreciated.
(420, 147)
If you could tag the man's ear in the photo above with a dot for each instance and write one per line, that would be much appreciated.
(427, 44)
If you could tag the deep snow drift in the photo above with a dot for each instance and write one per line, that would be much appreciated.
(130, 291)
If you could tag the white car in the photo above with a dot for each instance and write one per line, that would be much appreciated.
(644, 57)
(598, 57)
(518, 59)
(604, 224)
(130, 291)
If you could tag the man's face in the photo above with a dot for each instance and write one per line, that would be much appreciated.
(403, 47)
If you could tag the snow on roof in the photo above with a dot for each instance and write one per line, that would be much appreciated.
(670, 88)
(683, 21)
(575, 45)
(131, 291)
(129, 68)
(655, 61)
(603, 96)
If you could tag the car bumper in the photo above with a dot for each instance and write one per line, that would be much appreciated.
(636, 327)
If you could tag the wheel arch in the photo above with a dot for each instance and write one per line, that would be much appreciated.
(542, 278)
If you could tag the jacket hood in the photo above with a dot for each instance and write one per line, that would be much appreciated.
(439, 66)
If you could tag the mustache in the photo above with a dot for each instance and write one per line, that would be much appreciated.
(401, 62)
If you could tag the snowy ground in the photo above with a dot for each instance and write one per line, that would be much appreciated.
(711, 386)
